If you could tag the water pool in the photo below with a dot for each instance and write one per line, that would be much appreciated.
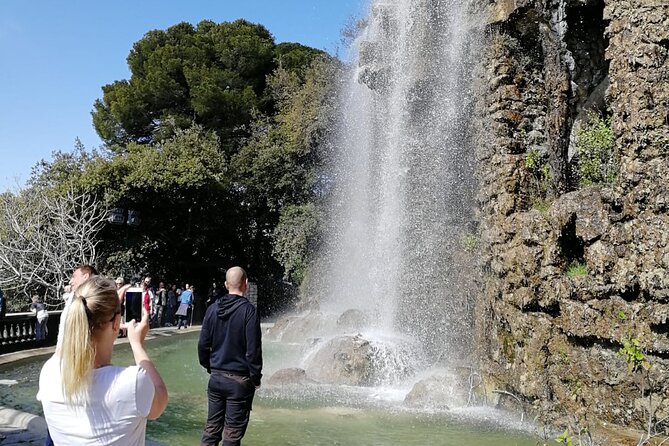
(318, 415)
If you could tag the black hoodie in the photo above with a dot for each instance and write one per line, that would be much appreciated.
(230, 339)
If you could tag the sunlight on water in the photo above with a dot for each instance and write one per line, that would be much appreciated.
(290, 415)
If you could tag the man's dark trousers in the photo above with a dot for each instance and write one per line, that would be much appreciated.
(230, 398)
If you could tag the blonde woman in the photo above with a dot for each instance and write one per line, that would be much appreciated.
(87, 400)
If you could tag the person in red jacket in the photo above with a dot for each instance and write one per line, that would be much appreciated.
(147, 295)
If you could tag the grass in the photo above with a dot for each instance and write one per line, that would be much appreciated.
(577, 269)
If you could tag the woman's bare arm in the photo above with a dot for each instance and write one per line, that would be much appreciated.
(136, 334)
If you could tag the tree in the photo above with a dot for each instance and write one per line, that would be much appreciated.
(211, 74)
(43, 236)
(280, 169)
(179, 186)
(209, 141)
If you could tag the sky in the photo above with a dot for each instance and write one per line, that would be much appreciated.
(55, 56)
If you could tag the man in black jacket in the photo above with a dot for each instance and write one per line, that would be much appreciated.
(231, 351)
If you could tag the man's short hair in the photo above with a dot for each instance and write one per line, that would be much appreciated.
(235, 277)
(87, 269)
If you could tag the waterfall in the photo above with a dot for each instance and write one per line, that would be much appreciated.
(404, 187)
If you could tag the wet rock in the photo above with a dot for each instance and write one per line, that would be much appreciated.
(291, 375)
(440, 391)
(343, 360)
(300, 328)
(587, 210)
(550, 336)
(352, 320)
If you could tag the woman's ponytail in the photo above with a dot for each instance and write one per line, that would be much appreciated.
(95, 303)
(77, 352)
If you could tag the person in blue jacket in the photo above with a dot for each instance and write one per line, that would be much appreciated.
(230, 349)
(185, 302)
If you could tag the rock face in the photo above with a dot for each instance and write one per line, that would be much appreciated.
(546, 333)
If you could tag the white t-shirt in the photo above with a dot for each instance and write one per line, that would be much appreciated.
(115, 414)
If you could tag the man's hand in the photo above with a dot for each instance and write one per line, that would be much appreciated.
(137, 330)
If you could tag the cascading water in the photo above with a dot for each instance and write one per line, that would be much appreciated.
(404, 177)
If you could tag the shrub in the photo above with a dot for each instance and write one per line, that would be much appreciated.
(577, 269)
(470, 243)
(597, 163)
(540, 178)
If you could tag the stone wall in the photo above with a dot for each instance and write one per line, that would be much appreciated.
(550, 337)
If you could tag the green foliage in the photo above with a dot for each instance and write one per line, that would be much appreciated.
(540, 180)
(621, 315)
(176, 185)
(577, 269)
(213, 74)
(470, 243)
(633, 354)
(532, 160)
(295, 238)
(576, 436)
(217, 139)
(595, 140)
(540, 204)
(64, 168)
(280, 165)
(295, 58)
(565, 438)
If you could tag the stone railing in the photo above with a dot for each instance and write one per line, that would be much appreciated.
(17, 331)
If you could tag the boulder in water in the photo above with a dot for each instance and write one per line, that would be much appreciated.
(353, 320)
(291, 375)
(439, 391)
(299, 328)
(343, 360)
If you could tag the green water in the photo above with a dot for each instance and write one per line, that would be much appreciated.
(320, 415)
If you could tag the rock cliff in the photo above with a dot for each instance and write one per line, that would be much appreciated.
(574, 314)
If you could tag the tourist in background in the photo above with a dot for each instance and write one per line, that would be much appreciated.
(185, 301)
(147, 296)
(171, 305)
(80, 274)
(213, 295)
(159, 305)
(121, 288)
(3, 305)
(85, 399)
(230, 350)
(39, 310)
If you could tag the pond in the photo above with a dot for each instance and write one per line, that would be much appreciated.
(288, 415)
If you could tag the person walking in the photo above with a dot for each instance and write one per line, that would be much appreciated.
(85, 399)
(186, 300)
(230, 349)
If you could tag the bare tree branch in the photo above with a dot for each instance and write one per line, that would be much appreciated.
(43, 235)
